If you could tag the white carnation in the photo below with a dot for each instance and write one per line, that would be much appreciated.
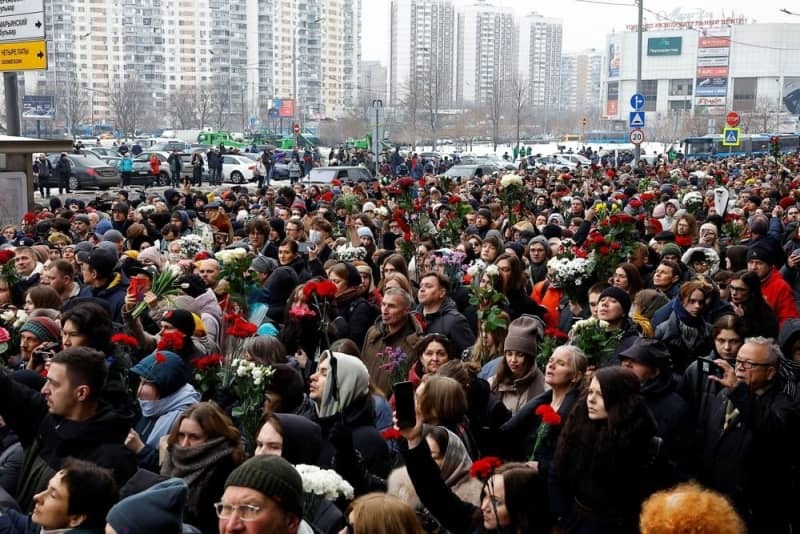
(492, 270)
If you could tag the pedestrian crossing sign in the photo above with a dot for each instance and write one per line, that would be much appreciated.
(730, 136)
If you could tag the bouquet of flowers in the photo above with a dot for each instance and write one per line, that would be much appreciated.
(5, 337)
(396, 363)
(571, 276)
(549, 418)
(733, 226)
(593, 338)
(7, 270)
(191, 245)
(350, 254)
(235, 263)
(451, 261)
(247, 381)
(693, 202)
(450, 225)
(319, 294)
(320, 485)
(513, 196)
(165, 284)
(207, 372)
(612, 241)
(487, 300)
(12, 319)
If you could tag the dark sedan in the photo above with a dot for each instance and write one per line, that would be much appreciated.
(87, 170)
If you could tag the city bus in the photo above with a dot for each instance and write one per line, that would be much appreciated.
(710, 146)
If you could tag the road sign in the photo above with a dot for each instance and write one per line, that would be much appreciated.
(636, 119)
(21, 27)
(636, 137)
(296, 128)
(23, 55)
(637, 101)
(732, 119)
(730, 136)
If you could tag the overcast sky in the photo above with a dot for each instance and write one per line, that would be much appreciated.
(585, 24)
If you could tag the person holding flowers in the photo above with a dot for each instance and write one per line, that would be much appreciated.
(163, 394)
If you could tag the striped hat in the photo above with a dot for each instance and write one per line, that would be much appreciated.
(44, 328)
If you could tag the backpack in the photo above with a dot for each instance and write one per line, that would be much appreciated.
(44, 169)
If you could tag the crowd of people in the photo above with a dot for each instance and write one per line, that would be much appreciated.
(656, 392)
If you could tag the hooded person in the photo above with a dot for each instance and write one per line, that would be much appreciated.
(159, 508)
(340, 389)
(164, 393)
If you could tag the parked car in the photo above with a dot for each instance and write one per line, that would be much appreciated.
(102, 152)
(87, 170)
(237, 168)
(478, 170)
(325, 175)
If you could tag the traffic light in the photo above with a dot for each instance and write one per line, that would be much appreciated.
(583, 122)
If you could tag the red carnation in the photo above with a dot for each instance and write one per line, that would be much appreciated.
(455, 199)
(548, 415)
(326, 289)
(635, 203)
(407, 236)
(241, 328)
(615, 245)
(173, 341)
(212, 360)
(603, 250)
(29, 218)
(6, 255)
(202, 255)
(309, 289)
(484, 468)
(391, 433)
(124, 339)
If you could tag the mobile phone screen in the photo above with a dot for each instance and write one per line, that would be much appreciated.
(404, 404)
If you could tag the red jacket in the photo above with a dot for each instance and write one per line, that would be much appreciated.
(779, 296)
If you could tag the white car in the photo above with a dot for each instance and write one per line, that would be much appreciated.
(237, 169)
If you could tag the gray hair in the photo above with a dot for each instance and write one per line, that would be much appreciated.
(774, 353)
(408, 300)
(577, 358)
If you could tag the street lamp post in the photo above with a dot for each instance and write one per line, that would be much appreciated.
(637, 149)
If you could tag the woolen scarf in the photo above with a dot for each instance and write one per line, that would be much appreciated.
(195, 465)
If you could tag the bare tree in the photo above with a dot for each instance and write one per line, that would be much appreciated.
(128, 104)
(412, 103)
(219, 104)
(494, 104)
(183, 106)
(73, 102)
(519, 101)
(763, 118)
(203, 105)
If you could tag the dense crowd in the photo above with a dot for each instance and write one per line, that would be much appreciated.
(611, 350)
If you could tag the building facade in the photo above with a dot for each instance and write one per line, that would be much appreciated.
(707, 68)
(581, 81)
(540, 41)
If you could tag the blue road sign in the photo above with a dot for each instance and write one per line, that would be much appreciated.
(637, 101)
(730, 136)
(636, 119)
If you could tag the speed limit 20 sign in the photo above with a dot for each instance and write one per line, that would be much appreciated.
(636, 137)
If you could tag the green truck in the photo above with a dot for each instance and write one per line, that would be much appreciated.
(219, 138)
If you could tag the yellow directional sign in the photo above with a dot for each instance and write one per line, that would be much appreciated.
(23, 55)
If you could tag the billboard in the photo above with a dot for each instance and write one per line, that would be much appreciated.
(38, 107)
(711, 87)
(282, 108)
(791, 95)
(713, 58)
(614, 59)
(705, 72)
(664, 46)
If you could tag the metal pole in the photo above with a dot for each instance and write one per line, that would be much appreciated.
(637, 149)
(12, 103)
(294, 76)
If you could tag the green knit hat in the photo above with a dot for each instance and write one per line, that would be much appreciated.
(274, 477)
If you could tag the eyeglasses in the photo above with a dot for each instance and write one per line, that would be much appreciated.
(747, 364)
(246, 512)
(737, 289)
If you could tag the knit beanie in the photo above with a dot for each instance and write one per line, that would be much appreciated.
(159, 508)
(263, 264)
(45, 329)
(670, 249)
(523, 335)
(153, 255)
(364, 231)
(274, 477)
(619, 295)
(180, 319)
(164, 369)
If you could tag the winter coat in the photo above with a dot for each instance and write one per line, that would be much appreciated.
(516, 392)
(48, 439)
(448, 321)
(356, 316)
(779, 296)
(162, 414)
(279, 286)
(211, 314)
(11, 455)
(671, 413)
(377, 339)
(752, 459)
(673, 332)
(114, 295)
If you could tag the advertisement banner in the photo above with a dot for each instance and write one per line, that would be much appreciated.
(614, 59)
(711, 90)
(664, 46)
(612, 108)
(285, 108)
(709, 110)
(710, 101)
(38, 107)
(715, 52)
(791, 95)
(712, 61)
(706, 72)
(714, 42)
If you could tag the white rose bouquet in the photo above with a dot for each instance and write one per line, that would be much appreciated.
(350, 254)
(571, 275)
(248, 382)
(319, 485)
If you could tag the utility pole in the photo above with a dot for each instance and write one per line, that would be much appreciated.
(637, 149)
(377, 105)
(12, 103)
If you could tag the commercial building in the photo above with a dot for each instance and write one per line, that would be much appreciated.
(707, 68)
(540, 41)
(580, 81)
